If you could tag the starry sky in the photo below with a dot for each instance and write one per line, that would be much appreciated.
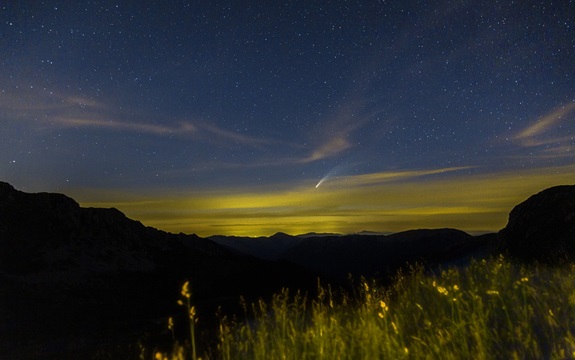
(252, 117)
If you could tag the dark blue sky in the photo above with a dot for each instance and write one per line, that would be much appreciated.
(179, 97)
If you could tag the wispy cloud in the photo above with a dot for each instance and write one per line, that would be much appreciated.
(391, 176)
(200, 131)
(334, 135)
(179, 129)
(234, 136)
(50, 110)
(327, 149)
(538, 133)
(32, 101)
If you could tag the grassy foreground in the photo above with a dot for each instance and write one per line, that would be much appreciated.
(489, 310)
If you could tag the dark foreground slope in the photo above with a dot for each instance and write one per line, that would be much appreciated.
(77, 282)
(73, 279)
(542, 228)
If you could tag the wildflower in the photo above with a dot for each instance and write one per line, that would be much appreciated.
(384, 309)
(492, 292)
(193, 314)
(406, 350)
(170, 323)
(551, 313)
(419, 306)
(442, 290)
(455, 287)
(185, 290)
(383, 305)
(524, 279)
(395, 328)
(180, 302)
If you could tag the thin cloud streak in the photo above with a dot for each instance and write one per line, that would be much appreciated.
(328, 149)
(42, 101)
(182, 128)
(235, 136)
(56, 110)
(530, 136)
(381, 177)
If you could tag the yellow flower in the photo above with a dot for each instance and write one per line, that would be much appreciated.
(185, 290)
(394, 328)
(383, 305)
(442, 290)
(455, 287)
(524, 279)
(492, 292)
(170, 323)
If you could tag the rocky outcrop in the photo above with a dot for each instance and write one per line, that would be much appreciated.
(75, 279)
(51, 232)
(542, 228)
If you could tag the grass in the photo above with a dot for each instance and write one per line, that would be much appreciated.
(489, 310)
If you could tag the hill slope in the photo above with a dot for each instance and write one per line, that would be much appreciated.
(72, 278)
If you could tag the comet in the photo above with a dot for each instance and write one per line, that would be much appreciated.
(333, 172)
(321, 181)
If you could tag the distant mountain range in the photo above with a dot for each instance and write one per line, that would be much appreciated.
(336, 256)
(74, 281)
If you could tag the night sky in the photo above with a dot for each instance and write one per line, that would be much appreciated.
(248, 118)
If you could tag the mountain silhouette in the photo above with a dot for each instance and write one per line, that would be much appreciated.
(379, 255)
(75, 280)
(269, 248)
(542, 228)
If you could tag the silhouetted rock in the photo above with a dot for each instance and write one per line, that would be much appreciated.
(76, 279)
(542, 228)
(73, 279)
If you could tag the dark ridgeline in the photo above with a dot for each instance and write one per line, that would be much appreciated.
(74, 280)
(542, 228)
(336, 256)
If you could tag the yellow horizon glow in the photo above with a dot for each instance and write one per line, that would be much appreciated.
(381, 202)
